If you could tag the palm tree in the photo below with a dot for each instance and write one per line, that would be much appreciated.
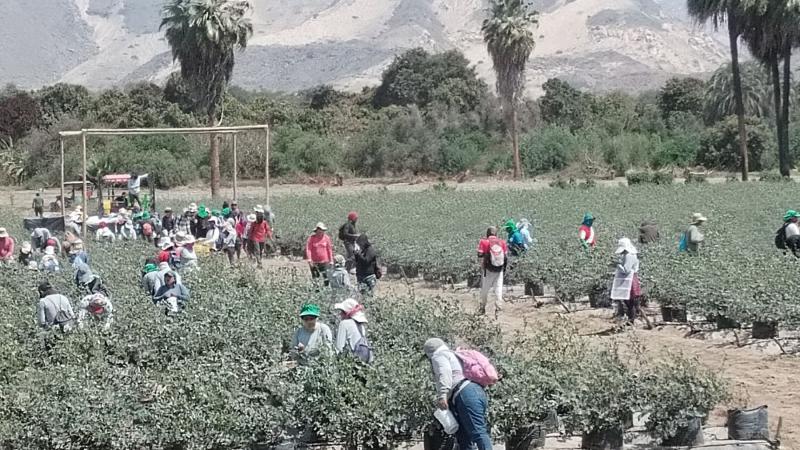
(508, 33)
(730, 11)
(203, 35)
(719, 98)
(772, 32)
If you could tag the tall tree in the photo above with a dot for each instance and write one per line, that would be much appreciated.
(204, 35)
(773, 31)
(730, 11)
(508, 33)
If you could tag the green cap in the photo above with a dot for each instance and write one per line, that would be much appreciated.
(202, 212)
(215, 213)
(150, 268)
(309, 310)
(226, 211)
(790, 214)
(510, 225)
(588, 217)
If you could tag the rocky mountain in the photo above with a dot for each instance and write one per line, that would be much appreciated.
(596, 44)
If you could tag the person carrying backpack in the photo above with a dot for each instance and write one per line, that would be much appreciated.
(693, 237)
(516, 243)
(348, 234)
(493, 258)
(351, 336)
(465, 398)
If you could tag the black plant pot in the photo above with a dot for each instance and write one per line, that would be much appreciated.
(603, 439)
(435, 438)
(599, 297)
(534, 288)
(474, 281)
(726, 323)
(673, 314)
(747, 424)
(525, 438)
(687, 436)
(765, 330)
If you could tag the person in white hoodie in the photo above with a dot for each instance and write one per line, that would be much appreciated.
(467, 400)
(626, 287)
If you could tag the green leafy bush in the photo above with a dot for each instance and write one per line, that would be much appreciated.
(547, 149)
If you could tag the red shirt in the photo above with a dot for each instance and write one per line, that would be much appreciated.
(240, 228)
(319, 249)
(587, 234)
(259, 232)
(485, 245)
(6, 248)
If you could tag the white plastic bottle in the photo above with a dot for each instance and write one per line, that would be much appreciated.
(447, 419)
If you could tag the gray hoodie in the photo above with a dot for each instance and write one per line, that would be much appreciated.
(447, 370)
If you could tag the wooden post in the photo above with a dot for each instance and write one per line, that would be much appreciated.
(83, 188)
(266, 163)
(63, 207)
(235, 172)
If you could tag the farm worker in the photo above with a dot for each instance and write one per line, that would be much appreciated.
(648, 232)
(348, 234)
(312, 337)
(85, 278)
(76, 252)
(790, 232)
(185, 250)
(150, 280)
(172, 294)
(586, 232)
(367, 269)
(165, 254)
(694, 238)
(201, 220)
(268, 214)
(38, 205)
(74, 220)
(39, 238)
(260, 231)
(526, 230)
(229, 239)
(236, 213)
(96, 307)
(241, 239)
(351, 335)
(516, 243)
(103, 233)
(626, 287)
(168, 220)
(184, 223)
(146, 226)
(212, 235)
(125, 225)
(6, 246)
(319, 253)
(163, 269)
(54, 309)
(467, 400)
(25, 254)
(134, 185)
(341, 286)
(493, 259)
(49, 261)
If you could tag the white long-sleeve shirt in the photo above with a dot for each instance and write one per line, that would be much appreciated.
(348, 334)
(447, 371)
(134, 184)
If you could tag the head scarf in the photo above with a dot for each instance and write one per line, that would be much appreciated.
(588, 219)
(625, 245)
(510, 226)
(790, 214)
(352, 310)
(352, 216)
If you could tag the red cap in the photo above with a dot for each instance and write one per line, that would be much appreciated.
(163, 256)
(353, 216)
(50, 243)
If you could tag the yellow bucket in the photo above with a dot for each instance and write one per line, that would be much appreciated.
(106, 207)
(201, 249)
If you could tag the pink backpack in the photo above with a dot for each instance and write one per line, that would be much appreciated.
(477, 367)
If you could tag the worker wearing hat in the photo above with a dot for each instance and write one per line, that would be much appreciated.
(312, 337)
(319, 253)
(54, 310)
(6, 246)
(348, 233)
(98, 308)
(694, 238)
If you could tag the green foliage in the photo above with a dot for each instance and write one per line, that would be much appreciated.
(635, 178)
(298, 151)
(63, 99)
(564, 105)
(168, 159)
(19, 113)
(756, 92)
(547, 149)
(460, 150)
(419, 78)
(681, 95)
(720, 146)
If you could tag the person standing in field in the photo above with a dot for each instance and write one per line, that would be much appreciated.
(258, 234)
(626, 287)
(466, 399)
(526, 230)
(341, 286)
(319, 253)
(493, 259)
(172, 294)
(348, 234)
(516, 243)
(586, 232)
(229, 239)
(351, 335)
(368, 271)
(693, 238)
(134, 187)
(312, 338)
(38, 205)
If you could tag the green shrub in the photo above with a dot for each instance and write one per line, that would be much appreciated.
(719, 148)
(460, 150)
(773, 176)
(696, 179)
(547, 149)
(298, 151)
(635, 178)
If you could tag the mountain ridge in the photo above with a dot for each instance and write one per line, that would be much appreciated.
(599, 45)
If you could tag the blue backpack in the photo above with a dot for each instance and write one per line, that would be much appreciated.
(683, 244)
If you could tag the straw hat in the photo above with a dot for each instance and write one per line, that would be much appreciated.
(193, 207)
(3, 233)
(251, 217)
(76, 246)
(698, 218)
(26, 247)
(165, 242)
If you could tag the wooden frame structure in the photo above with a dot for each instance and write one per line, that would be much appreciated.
(155, 131)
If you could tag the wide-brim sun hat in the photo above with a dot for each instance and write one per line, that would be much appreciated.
(352, 309)
(259, 209)
(309, 310)
(3, 233)
(320, 226)
(193, 207)
(790, 214)
(339, 261)
(251, 217)
(49, 251)
(26, 247)
(165, 243)
(625, 245)
(76, 246)
(697, 218)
